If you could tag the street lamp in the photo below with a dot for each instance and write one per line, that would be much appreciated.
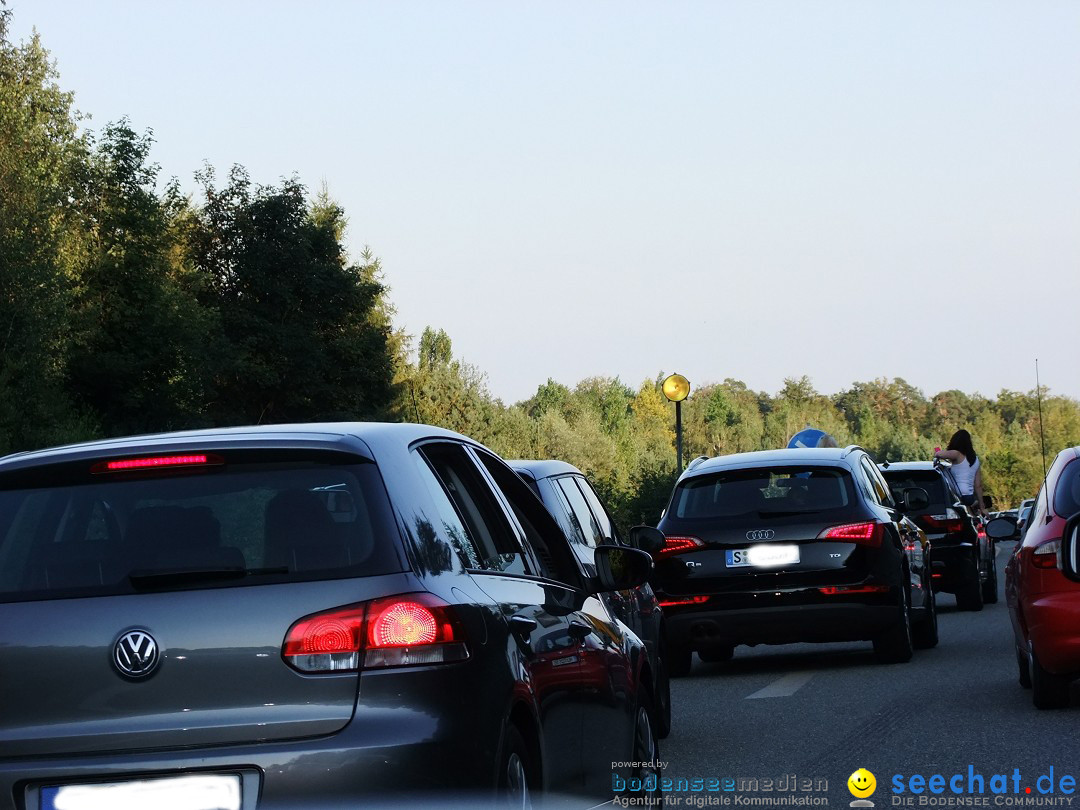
(677, 388)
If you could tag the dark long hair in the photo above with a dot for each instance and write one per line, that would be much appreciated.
(961, 440)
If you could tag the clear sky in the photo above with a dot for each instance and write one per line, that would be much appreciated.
(758, 190)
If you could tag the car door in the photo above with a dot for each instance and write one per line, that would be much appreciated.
(607, 679)
(535, 613)
(912, 543)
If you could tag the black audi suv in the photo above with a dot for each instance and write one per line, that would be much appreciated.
(964, 560)
(573, 502)
(784, 546)
(303, 615)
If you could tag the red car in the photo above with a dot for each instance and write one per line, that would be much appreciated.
(1044, 604)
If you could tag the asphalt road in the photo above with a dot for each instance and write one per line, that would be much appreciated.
(822, 711)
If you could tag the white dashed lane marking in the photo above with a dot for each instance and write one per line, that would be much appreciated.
(784, 687)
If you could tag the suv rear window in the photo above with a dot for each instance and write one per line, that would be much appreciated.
(778, 491)
(236, 525)
(930, 480)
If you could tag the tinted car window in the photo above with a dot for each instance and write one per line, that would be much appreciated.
(475, 502)
(589, 529)
(256, 522)
(929, 480)
(541, 532)
(607, 528)
(765, 491)
(459, 536)
(1067, 497)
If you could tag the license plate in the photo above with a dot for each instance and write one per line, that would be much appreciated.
(219, 792)
(762, 556)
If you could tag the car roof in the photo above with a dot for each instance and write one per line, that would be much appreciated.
(544, 468)
(356, 437)
(829, 456)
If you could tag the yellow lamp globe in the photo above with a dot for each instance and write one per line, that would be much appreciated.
(676, 388)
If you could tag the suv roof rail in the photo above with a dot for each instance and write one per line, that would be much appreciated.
(848, 450)
(695, 462)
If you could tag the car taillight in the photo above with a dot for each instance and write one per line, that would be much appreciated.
(948, 523)
(676, 545)
(836, 590)
(156, 463)
(396, 631)
(1046, 555)
(690, 600)
(864, 534)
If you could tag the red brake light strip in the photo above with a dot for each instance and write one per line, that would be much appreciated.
(156, 462)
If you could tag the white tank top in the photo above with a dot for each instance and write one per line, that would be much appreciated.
(964, 475)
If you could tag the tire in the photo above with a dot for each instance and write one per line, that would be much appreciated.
(969, 596)
(679, 660)
(646, 749)
(990, 587)
(717, 655)
(663, 699)
(516, 773)
(924, 634)
(895, 645)
(1048, 691)
(1024, 666)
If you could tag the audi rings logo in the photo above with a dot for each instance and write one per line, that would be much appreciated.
(136, 654)
(760, 534)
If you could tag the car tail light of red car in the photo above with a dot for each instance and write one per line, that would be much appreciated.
(1045, 555)
(406, 630)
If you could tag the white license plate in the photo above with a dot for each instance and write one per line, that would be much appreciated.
(219, 792)
(762, 556)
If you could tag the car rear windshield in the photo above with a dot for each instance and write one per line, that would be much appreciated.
(773, 491)
(225, 526)
(930, 480)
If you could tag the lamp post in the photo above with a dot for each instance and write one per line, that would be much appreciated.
(677, 388)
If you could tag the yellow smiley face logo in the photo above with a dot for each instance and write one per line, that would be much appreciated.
(861, 783)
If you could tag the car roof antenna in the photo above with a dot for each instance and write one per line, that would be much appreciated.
(1042, 441)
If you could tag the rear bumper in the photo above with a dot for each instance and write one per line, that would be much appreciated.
(391, 748)
(1053, 622)
(785, 618)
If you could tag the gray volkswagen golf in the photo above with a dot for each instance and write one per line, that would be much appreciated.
(302, 615)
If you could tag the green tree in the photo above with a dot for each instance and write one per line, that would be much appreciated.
(42, 163)
(303, 332)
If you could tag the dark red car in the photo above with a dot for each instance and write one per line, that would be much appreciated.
(1043, 603)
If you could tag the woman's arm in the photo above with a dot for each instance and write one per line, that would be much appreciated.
(954, 456)
(980, 504)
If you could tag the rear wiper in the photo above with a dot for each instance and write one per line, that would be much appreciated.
(177, 576)
(789, 514)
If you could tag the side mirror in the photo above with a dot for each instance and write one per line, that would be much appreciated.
(1070, 548)
(618, 568)
(647, 539)
(914, 498)
(1001, 528)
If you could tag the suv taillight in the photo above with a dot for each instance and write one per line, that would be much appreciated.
(864, 534)
(396, 631)
(949, 523)
(1045, 555)
(676, 545)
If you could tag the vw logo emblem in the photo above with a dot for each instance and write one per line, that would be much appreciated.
(136, 654)
(760, 534)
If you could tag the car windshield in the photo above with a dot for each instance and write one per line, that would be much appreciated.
(765, 491)
(931, 481)
(247, 523)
